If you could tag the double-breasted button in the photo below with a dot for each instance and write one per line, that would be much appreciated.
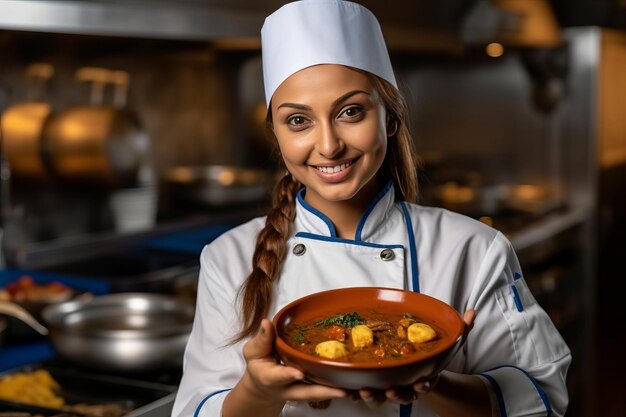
(299, 249)
(387, 255)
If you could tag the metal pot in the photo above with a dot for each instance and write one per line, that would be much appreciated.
(480, 200)
(97, 143)
(218, 185)
(121, 332)
(22, 124)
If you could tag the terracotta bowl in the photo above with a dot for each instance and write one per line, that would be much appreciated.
(379, 374)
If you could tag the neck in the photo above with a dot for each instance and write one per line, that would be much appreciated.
(346, 214)
(345, 218)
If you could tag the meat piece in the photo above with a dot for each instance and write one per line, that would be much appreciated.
(378, 325)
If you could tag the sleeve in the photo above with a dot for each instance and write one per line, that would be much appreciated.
(514, 346)
(211, 367)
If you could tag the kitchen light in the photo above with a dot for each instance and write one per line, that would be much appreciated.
(494, 49)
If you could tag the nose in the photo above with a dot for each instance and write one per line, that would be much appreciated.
(328, 141)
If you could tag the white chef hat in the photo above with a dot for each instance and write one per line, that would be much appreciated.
(311, 32)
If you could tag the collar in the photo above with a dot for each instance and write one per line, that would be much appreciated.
(309, 219)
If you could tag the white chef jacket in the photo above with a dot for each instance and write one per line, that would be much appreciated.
(513, 346)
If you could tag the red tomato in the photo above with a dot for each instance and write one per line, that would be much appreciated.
(336, 332)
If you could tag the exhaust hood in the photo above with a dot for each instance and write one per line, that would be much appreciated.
(409, 25)
(180, 20)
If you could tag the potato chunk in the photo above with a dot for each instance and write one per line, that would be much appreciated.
(331, 349)
(362, 336)
(420, 333)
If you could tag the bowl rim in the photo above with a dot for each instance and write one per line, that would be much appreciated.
(281, 344)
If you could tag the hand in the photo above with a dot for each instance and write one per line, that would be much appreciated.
(408, 394)
(269, 380)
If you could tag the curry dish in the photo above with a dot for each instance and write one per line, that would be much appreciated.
(363, 336)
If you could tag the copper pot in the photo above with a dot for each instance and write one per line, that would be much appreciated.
(23, 123)
(96, 143)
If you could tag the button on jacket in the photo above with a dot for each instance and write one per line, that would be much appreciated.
(513, 347)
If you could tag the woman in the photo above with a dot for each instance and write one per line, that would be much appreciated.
(344, 215)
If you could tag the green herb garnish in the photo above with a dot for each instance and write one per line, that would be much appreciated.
(299, 337)
(348, 320)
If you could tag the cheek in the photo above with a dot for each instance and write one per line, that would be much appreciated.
(371, 138)
(293, 150)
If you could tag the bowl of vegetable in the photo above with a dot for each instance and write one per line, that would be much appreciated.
(367, 337)
(32, 295)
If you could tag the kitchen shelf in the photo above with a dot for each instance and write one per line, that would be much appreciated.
(47, 254)
(134, 19)
(551, 226)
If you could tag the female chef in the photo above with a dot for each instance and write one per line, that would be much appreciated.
(344, 215)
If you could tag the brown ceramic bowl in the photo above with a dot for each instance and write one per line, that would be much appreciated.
(379, 374)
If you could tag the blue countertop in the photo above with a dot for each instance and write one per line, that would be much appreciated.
(190, 242)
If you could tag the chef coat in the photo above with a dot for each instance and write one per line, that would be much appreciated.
(513, 347)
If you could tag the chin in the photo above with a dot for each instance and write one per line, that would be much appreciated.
(342, 194)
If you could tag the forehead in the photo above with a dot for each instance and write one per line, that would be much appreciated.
(320, 83)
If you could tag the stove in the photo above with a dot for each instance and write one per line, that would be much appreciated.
(93, 393)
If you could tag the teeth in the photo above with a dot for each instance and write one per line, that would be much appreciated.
(336, 168)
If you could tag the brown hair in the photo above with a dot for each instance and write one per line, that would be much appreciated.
(400, 165)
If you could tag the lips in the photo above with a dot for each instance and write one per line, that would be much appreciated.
(334, 169)
(334, 173)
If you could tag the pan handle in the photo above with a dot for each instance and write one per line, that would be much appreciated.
(14, 310)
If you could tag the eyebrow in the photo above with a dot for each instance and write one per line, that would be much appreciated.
(337, 101)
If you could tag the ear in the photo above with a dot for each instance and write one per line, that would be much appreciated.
(392, 125)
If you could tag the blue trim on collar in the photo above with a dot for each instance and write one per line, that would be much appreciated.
(370, 208)
(498, 392)
(540, 391)
(307, 235)
(331, 226)
(405, 410)
(412, 248)
(197, 413)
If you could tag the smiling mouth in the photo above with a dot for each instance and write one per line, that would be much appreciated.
(334, 169)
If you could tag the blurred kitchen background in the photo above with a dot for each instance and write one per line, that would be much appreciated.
(132, 134)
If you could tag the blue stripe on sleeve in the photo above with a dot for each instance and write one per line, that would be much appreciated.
(517, 299)
(498, 392)
(197, 413)
(540, 391)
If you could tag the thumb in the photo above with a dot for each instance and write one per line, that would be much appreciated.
(469, 317)
(261, 345)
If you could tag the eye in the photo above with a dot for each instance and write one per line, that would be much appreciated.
(297, 121)
(351, 112)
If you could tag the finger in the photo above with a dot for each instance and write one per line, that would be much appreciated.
(422, 387)
(354, 395)
(272, 374)
(372, 398)
(262, 344)
(402, 395)
(312, 392)
(469, 317)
